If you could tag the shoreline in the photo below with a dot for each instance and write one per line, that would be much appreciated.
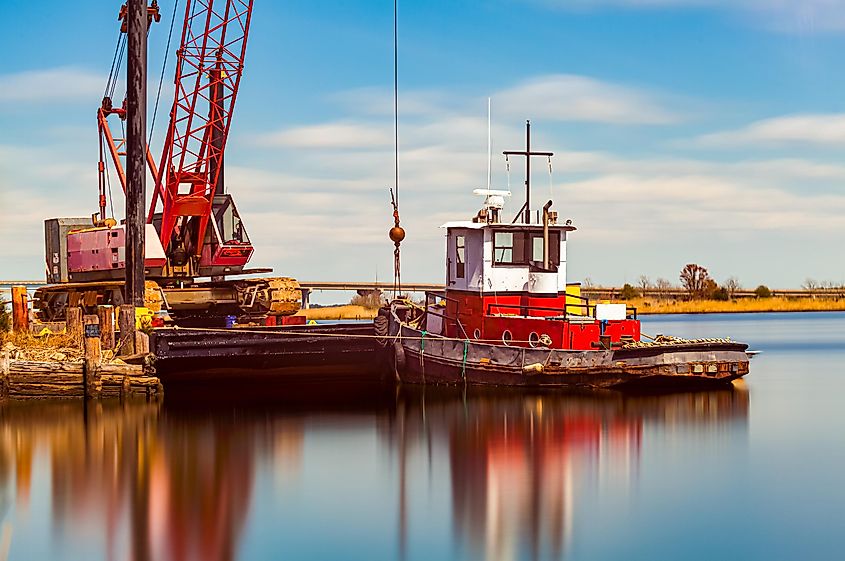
(639, 313)
(740, 306)
(644, 308)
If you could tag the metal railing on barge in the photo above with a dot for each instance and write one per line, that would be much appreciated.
(432, 297)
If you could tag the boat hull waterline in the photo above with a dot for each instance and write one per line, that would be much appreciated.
(422, 358)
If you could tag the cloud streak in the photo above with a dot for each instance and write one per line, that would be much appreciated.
(567, 97)
(809, 129)
(63, 85)
(788, 16)
(433, 115)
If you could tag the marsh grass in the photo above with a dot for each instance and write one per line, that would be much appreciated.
(774, 304)
(43, 347)
(348, 311)
(644, 306)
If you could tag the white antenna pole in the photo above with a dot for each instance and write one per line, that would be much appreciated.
(489, 144)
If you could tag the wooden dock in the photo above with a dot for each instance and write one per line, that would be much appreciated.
(30, 379)
(337, 355)
(79, 362)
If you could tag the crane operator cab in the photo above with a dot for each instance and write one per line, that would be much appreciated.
(228, 248)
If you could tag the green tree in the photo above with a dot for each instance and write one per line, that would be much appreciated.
(721, 294)
(628, 292)
(709, 290)
(763, 291)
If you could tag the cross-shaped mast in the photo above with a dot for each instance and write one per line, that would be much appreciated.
(527, 153)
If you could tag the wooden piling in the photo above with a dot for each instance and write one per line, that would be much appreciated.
(93, 356)
(126, 324)
(142, 343)
(106, 316)
(4, 374)
(20, 309)
(136, 149)
(73, 322)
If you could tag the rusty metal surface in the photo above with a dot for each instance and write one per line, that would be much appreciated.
(423, 358)
(300, 349)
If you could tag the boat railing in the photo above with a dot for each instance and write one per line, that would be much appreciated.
(630, 311)
(563, 312)
(441, 295)
(588, 310)
(584, 305)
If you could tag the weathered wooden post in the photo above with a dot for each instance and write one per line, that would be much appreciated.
(93, 355)
(136, 166)
(4, 374)
(73, 325)
(20, 309)
(106, 317)
(126, 324)
(142, 342)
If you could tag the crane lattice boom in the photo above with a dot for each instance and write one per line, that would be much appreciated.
(208, 71)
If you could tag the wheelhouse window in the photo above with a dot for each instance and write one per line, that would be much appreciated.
(460, 257)
(525, 248)
(509, 248)
(537, 250)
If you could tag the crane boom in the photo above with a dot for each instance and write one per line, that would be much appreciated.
(199, 231)
(208, 71)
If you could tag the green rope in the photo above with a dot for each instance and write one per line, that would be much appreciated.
(464, 362)
(422, 351)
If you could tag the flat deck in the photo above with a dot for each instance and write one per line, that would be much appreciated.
(295, 352)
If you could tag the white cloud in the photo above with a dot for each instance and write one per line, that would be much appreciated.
(566, 97)
(324, 214)
(814, 129)
(790, 16)
(428, 116)
(63, 84)
(330, 135)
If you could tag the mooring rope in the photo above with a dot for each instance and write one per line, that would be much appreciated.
(665, 340)
(464, 361)
(397, 337)
(422, 349)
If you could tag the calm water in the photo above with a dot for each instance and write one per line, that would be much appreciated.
(753, 473)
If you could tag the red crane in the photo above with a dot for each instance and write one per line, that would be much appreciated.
(199, 231)
(209, 67)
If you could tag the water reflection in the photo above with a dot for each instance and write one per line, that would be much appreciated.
(518, 460)
(144, 481)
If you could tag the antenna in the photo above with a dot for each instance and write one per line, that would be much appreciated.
(489, 144)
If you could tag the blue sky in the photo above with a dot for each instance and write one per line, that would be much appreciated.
(707, 131)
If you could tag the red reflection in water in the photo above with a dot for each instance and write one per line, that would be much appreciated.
(151, 485)
(139, 482)
(517, 461)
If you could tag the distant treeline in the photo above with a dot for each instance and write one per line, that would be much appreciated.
(697, 284)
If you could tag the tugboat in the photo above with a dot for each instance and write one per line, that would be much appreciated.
(508, 317)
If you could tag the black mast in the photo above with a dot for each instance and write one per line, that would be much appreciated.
(527, 153)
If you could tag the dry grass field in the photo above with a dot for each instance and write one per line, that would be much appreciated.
(348, 311)
(743, 305)
(644, 306)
